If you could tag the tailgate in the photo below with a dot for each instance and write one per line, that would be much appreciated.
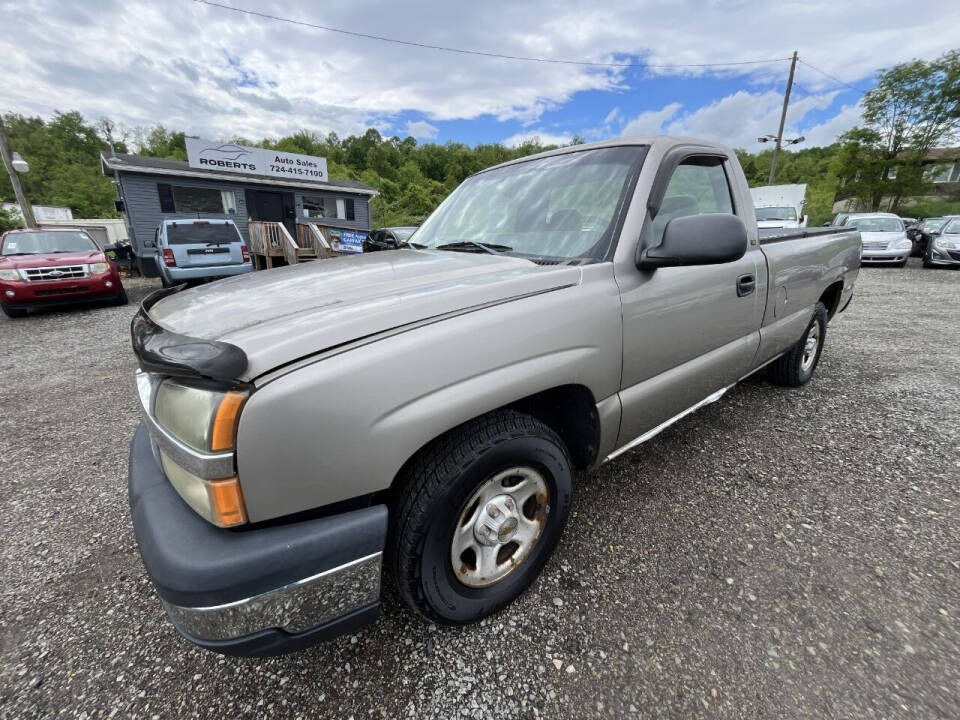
(203, 243)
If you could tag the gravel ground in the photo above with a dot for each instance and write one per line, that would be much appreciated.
(780, 554)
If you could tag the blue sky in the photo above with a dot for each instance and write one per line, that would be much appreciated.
(220, 74)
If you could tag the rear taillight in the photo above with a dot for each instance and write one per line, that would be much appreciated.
(168, 259)
(246, 253)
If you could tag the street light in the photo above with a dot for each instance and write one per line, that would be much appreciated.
(19, 164)
(785, 141)
(779, 140)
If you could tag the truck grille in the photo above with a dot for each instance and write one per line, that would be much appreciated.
(62, 272)
(876, 245)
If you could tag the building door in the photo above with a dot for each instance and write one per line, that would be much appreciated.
(272, 206)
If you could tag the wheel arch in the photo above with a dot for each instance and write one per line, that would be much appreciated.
(831, 298)
(570, 410)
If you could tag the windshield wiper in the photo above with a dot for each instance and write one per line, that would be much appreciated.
(464, 244)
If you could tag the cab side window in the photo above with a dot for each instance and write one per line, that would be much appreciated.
(698, 185)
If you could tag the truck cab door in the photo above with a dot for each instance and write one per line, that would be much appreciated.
(691, 331)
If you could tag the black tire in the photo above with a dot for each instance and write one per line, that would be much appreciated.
(13, 312)
(905, 261)
(927, 259)
(121, 298)
(789, 369)
(433, 492)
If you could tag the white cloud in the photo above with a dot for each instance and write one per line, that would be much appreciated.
(650, 122)
(218, 73)
(738, 119)
(612, 116)
(421, 130)
(538, 136)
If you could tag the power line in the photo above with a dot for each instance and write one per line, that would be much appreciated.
(367, 36)
(835, 79)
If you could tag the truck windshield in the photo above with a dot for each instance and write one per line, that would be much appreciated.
(41, 243)
(877, 224)
(202, 233)
(776, 213)
(560, 207)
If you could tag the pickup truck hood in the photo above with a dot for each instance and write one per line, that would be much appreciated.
(281, 315)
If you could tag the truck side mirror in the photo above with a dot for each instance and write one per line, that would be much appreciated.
(706, 239)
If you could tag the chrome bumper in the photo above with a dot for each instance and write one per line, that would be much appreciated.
(294, 608)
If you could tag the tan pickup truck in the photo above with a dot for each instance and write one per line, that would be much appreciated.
(425, 410)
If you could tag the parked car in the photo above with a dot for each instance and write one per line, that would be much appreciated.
(923, 232)
(389, 238)
(46, 266)
(943, 250)
(200, 250)
(554, 312)
(884, 238)
(780, 206)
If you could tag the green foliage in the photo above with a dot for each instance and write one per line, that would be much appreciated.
(813, 166)
(9, 220)
(64, 157)
(914, 107)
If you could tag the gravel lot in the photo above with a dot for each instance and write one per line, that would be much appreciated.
(780, 554)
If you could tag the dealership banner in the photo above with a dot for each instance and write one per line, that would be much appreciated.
(346, 241)
(233, 158)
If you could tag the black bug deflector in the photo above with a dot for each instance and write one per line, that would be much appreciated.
(164, 351)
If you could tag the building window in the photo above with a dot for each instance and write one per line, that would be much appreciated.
(184, 199)
(318, 207)
(938, 172)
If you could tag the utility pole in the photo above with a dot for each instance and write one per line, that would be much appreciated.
(783, 119)
(25, 207)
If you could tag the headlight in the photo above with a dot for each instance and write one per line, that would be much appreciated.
(904, 244)
(206, 420)
(217, 501)
(98, 268)
(945, 243)
(9, 275)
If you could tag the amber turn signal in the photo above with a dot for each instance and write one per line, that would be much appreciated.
(226, 502)
(225, 421)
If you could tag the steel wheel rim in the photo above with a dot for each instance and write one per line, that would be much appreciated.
(810, 346)
(499, 526)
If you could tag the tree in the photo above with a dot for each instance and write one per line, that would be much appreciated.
(914, 107)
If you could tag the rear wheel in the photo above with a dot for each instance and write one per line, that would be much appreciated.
(478, 515)
(796, 366)
(13, 312)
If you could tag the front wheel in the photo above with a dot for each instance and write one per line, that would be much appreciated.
(477, 516)
(121, 298)
(795, 367)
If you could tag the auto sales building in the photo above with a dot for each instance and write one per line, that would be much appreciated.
(212, 185)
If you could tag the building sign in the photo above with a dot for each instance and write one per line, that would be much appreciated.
(233, 158)
(346, 241)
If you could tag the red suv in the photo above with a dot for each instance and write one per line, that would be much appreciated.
(47, 266)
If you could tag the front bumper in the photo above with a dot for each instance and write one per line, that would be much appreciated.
(885, 256)
(259, 591)
(939, 256)
(46, 293)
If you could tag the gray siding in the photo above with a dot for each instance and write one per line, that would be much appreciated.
(142, 203)
(143, 213)
(361, 210)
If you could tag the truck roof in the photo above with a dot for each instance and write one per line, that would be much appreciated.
(655, 142)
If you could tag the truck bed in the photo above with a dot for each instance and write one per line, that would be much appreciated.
(772, 235)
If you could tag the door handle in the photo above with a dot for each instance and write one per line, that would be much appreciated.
(746, 284)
